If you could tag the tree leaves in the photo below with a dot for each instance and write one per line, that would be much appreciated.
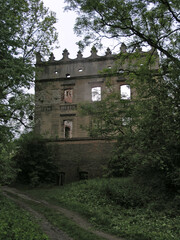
(25, 28)
(153, 132)
(149, 23)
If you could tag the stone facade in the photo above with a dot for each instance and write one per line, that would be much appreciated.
(59, 89)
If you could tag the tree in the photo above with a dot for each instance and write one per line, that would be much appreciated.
(153, 132)
(34, 160)
(8, 170)
(144, 23)
(26, 27)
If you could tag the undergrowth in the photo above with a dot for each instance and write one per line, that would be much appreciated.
(120, 207)
(65, 224)
(17, 224)
(58, 220)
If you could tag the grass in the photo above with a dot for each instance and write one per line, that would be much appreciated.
(17, 224)
(61, 222)
(118, 206)
(65, 224)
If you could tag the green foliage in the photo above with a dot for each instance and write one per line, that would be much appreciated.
(65, 224)
(129, 194)
(119, 206)
(8, 169)
(156, 148)
(17, 224)
(35, 160)
(147, 23)
(26, 27)
(151, 140)
(121, 163)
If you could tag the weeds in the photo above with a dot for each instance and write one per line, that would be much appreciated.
(120, 207)
(17, 224)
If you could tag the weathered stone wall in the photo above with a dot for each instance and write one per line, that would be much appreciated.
(77, 156)
(60, 87)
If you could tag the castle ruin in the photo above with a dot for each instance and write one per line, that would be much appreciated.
(59, 89)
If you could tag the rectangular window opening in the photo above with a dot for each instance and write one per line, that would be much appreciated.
(68, 95)
(96, 94)
(68, 129)
(125, 92)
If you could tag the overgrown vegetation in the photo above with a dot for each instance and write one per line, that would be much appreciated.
(148, 143)
(17, 224)
(121, 207)
(65, 224)
(34, 160)
(8, 170)
(26, 27)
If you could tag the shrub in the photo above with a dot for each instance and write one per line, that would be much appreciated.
(8, 169)
(35, 160)
(125, 192)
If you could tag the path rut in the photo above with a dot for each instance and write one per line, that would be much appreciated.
(51, 231)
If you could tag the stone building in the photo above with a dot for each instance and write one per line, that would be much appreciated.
(60, 87)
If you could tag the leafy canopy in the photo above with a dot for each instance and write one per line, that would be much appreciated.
(35, 160)
(141, 23)
(26, 27)
(148, 145)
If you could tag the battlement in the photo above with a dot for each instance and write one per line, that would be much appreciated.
(80, 66)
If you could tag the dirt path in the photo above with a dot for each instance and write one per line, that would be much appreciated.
(52, 232)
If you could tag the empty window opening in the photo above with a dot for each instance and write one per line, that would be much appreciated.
(83, 175)
(68, 95)
(67, 129)
(125, 92)
(68, 75)
(121, 71)
(126, 121)
(61, 179)
(109, 67)
(67, 132)
(80, 70)
(96, 94)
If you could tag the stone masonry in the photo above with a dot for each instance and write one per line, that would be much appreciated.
(59, 89)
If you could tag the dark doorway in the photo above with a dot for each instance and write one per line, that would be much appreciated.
(61, 179)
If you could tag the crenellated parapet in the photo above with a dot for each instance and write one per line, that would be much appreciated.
(65, 56)
(81, 66)
(94, 55)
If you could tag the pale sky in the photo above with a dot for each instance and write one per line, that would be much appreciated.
(67, 37)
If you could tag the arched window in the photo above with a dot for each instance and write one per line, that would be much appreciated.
(67, 129)
(125, 92)
(96, 94)
(67, 132)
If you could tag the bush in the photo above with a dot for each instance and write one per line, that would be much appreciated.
(35, 160)
(121, 163)
(128, 193)
(125, 193)
(17, 224)
(8, 169)
(96, 199)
